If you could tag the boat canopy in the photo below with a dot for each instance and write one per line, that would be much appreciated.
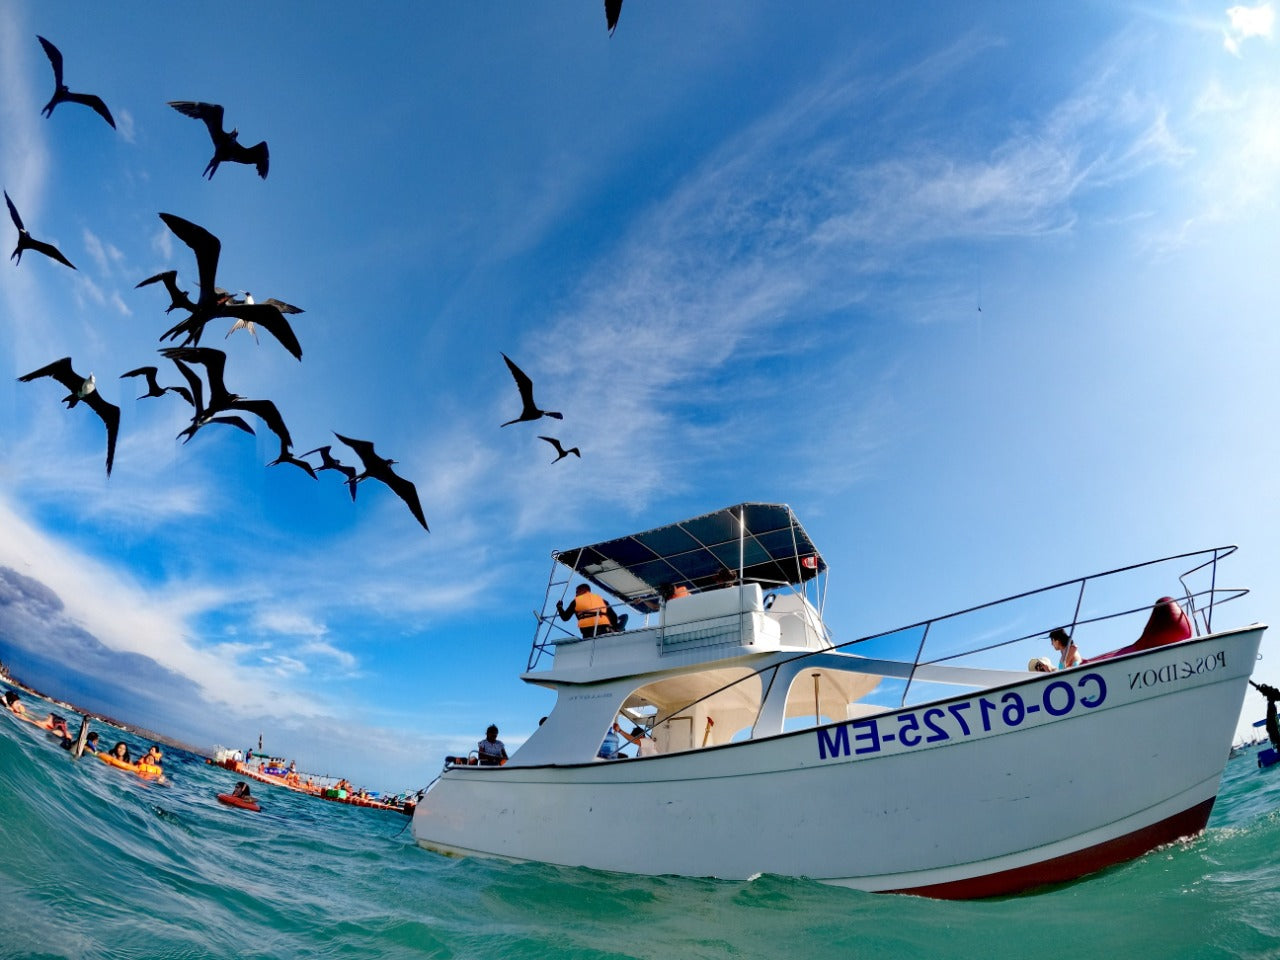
(760, 542)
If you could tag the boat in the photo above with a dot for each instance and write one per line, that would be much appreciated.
(920, 760)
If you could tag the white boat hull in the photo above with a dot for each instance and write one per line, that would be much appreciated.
(966, 797)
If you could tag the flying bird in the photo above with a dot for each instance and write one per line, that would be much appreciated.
(329, 462)
(226, 146)
(26, 242)
(561, 450)
(86, 389)
(195, 396)
(222, 400)
(286, 456)
(250, 325)
(379, 468)
(612, 10)
(62, 95)
(178, 299)
(525, 385)
(153, 386)
(215, 302)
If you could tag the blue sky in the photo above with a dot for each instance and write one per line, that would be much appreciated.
(987, 293)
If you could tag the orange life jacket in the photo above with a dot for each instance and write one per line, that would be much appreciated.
(592, 613)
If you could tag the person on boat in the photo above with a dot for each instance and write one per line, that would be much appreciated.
(1068, 655)
(121, 752)
(13, 703)
(491, 751)
(609, 746)
(645, 747)
(594, 615)
(726, 578)
(1040, 665)
(672, 591)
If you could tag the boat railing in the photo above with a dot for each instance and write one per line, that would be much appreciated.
(731, 622)
(916, 645)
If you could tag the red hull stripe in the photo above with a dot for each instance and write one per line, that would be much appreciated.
(1060, 869)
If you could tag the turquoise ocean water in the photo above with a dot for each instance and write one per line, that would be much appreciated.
(96, 863)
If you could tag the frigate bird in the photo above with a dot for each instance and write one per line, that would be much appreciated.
(329, 462)
(222, 400)
(178, 299)
(612, 10)
(561, 450)
(62, 95)
(226, 146)
(525, 386)
(214, 302)
(27, 242)
(86, 389)
(195, 396)
(153, 385)
(379, 468)
(286, 456)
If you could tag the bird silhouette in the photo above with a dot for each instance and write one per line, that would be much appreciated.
(153, 385)
(525, 385)
(221, 400)
(612, 10)
(329, 462)
(178, 299)
(195, 396)
(226, 146)
(26, 242)
(286, 456)
(62, 95)
(215, 302)
(86, 389)
(561, 450)
(379, 468)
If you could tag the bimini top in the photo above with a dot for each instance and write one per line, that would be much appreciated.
(761, 542)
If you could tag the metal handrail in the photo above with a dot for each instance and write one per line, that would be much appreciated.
(1216, 597)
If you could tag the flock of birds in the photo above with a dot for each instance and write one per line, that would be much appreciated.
(210, 399)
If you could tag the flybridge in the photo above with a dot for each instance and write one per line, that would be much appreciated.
(755, 542)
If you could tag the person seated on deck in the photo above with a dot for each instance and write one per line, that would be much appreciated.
(673, 591)
(491, 751)
(1040, 665)
(13, 703)
(726, 578)
(595, 617)
(1068, 655)
(645, 747)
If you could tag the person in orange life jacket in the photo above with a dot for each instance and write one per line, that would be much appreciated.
(594, 615)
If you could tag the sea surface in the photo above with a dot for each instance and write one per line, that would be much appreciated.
(96, 863)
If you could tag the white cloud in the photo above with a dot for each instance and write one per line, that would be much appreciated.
(1245, 23)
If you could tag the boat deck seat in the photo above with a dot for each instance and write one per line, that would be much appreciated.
(710, 604)
(1167, 624)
